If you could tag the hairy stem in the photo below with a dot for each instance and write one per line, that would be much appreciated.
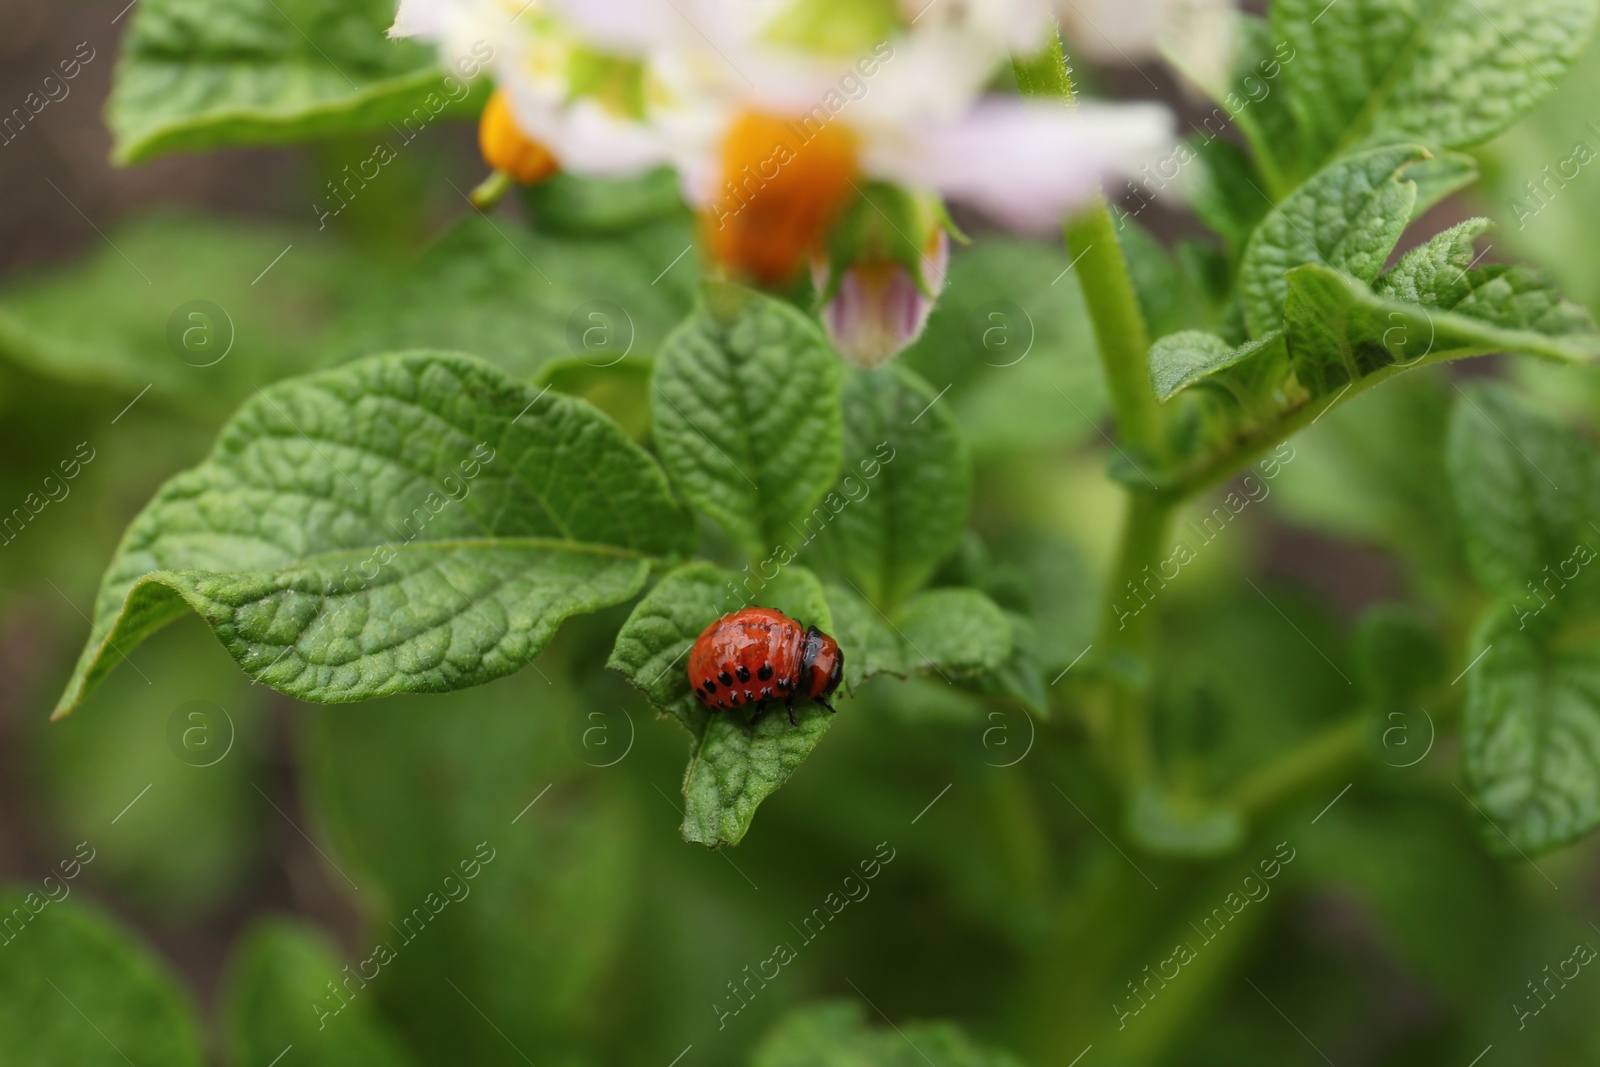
(1102, 273)
(1116, 714)
(1119, 327)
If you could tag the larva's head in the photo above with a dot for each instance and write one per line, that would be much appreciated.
(821, 665)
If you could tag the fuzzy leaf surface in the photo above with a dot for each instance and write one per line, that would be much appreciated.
(197, 74)
(1447, 72)
(411, 523)
(746, 406)
(907, 479)
(1347, 217)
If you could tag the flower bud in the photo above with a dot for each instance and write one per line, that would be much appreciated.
(879, 306)
(882, 272)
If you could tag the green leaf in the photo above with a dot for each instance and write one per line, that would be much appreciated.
(1525, 489)
(652, 648)
(410, 523)
(521, 299)
(1021, 676)
(1520, 299)
(836, 1032)
(278, 997)
(954, 633)
(75, 990)
(1347, 217)
(897, 512)
(1538, 173)
(1436, 273)
(864, 634)
(488, 852)
(182, 304)
(1180, 360)
(570, 204)
(1532, 733)
(1341, 331)
(1227, 191)
(197, 74)
(1442, 274)
(746, 405)
(1450, 72)
(1256, 101)
(732, 767)
(958, 635)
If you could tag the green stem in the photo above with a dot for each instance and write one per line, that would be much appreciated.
(489, 192)
(1117, 716)
(1102, 273)
(1325, 756)
(1119, 327)
(1337, 751)
(1146, 523)
(1122, 642)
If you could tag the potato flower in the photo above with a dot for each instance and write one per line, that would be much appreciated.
(810, 133)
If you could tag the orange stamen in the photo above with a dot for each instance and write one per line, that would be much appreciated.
(783, 183)
(506, 148)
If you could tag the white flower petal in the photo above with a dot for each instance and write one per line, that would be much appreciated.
(631, 26)
(418, 17)
(1026, 164)
(1012, 25)
(584, 137)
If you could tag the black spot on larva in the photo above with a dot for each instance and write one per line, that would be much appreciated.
(701, 693)
(748, 696)
(725, 678)
(744, 673)
(711, 687)
(735, 700)
(765, 672)
(783, 685)
(766, 693)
